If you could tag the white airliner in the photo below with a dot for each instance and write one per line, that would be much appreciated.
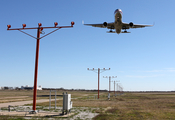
(118, 25)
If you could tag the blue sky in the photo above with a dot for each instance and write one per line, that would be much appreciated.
(142, 60)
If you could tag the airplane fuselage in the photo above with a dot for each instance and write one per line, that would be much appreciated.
(118, 21)
(118, 25)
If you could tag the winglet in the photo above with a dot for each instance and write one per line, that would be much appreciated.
(154, 24)
(151, 25)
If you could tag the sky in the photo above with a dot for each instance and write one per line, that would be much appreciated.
(142, 60)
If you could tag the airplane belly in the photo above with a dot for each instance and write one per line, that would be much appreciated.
(118, 22)
(118, 28)
(118, 17)
(118, 31)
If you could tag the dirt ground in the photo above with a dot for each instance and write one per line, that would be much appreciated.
(23, 102)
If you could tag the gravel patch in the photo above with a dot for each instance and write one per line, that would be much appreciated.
(79, 112)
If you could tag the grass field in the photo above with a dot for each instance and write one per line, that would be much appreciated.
(129, 106)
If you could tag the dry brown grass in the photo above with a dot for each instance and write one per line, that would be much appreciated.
(21, 95)
(25, 95)
(136, 106)
(133, 106)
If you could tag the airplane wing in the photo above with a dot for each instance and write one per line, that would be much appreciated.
(108, 25)
(131, 25)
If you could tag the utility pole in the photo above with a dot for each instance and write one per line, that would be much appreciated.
(98, 71)
(120, 89)
(39, 31)
(117, 88)
(114, 86)
(109, 81)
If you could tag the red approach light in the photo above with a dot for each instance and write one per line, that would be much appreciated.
(39, 24)
(9, 26)
(41, 28)
(24, 25)
(104, 68)
(72, 23)
(87, 68)
(109, 68)
(93, 68)
(55, 23)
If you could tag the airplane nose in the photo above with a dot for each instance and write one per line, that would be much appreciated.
(115, 11)
(118, 11)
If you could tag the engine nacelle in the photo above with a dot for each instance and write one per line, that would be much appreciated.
(131, 24)
(105, 24)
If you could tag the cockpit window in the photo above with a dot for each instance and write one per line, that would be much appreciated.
(115, 11)
(118, 10)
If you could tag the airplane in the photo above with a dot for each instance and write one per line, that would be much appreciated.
(118, 25)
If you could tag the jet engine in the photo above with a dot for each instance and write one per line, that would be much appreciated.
(105, 24)
(131, 24)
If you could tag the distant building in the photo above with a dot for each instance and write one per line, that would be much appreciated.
(6, 88)
(11, 88)
(39, 87)
(1, 88)
(30, 88)
(26, 87)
